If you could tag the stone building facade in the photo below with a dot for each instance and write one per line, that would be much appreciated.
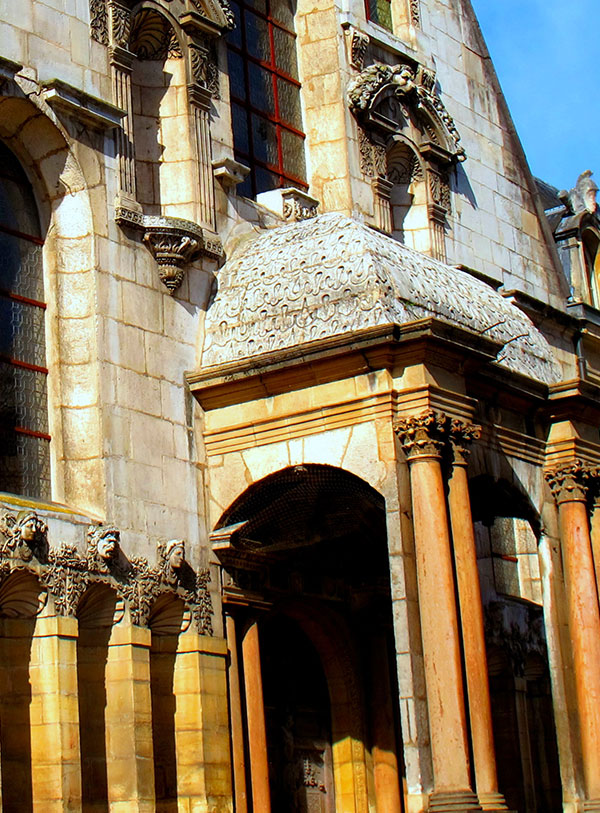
(299, 407)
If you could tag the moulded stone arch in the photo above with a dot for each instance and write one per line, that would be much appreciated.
(41, 144)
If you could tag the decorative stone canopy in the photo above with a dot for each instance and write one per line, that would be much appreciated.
(331, 275)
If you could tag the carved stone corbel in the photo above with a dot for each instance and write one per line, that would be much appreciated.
(172, 248)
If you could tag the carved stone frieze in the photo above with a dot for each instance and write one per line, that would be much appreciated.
(461, 435)
(222, 5)
(423, 435)
(571, 482)
(99, 21)
(331, 275)
(66, 574)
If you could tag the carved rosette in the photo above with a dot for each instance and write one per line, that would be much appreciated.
(423, 435)
(461, 435)
(572, 482)
(172, 248)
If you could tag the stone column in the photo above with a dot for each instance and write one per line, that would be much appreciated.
(55, 758)
(423, 438)
(200, 98)
(255, 714)
(472, 625)
(235, 713)
(569, 486)
(129, 754)
(595, 535)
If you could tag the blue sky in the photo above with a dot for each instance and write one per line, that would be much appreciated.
(545, 54)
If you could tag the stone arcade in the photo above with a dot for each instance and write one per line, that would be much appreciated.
(299, 409)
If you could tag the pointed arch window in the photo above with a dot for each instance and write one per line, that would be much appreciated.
(265, 95)
(24, 438)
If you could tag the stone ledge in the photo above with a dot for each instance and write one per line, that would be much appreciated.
(82, 106)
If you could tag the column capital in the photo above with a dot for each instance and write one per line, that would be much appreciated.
(423, 435)
(462, 434)
(572, 481)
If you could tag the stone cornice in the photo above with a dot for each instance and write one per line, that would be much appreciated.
(423, 436)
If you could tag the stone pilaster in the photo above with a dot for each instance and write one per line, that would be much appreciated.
(129, 753)
(462, 434)
(569, 485)
(423, 438)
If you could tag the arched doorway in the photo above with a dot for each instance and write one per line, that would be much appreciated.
(307, 596)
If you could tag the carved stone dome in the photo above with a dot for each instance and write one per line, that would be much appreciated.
(331, 275)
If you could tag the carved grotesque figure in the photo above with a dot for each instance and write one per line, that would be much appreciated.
(26, 533)
(175, 559)
(106, 540)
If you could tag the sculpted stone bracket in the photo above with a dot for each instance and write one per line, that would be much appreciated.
(66, 574)
(174, 242)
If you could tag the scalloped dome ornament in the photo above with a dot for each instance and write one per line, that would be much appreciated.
(331, 275)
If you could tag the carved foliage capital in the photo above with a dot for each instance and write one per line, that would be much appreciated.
(462, 435)
(571, 482)
(423, 435)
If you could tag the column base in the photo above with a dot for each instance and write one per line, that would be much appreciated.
(591, 806)
(492, 801)
(456, 801)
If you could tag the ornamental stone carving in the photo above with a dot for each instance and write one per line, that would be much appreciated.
(26, 536)
(172, 249)
(174, 242)
(461, 435)
(67, 574)
(120, 24)
(582, 198)
(359, 42)
(203, 61)
(378, 94)
(423, 435)
(331, 276)
(99, 21)
(571, 482)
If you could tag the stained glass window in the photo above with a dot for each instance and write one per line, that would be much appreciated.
(265, 93)
(380, 11)
(24, 438)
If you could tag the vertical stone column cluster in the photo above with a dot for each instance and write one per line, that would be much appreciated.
(571, 485)
(447, 565)
(121, 60)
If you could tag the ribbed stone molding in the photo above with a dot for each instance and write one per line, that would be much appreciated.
(454, 802)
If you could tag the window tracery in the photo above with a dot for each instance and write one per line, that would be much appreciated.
(24, 437)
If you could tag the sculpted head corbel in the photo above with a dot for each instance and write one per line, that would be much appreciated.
(26, 534)
(104, 541)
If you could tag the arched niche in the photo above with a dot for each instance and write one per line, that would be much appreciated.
(400, 103)
(162, 127)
